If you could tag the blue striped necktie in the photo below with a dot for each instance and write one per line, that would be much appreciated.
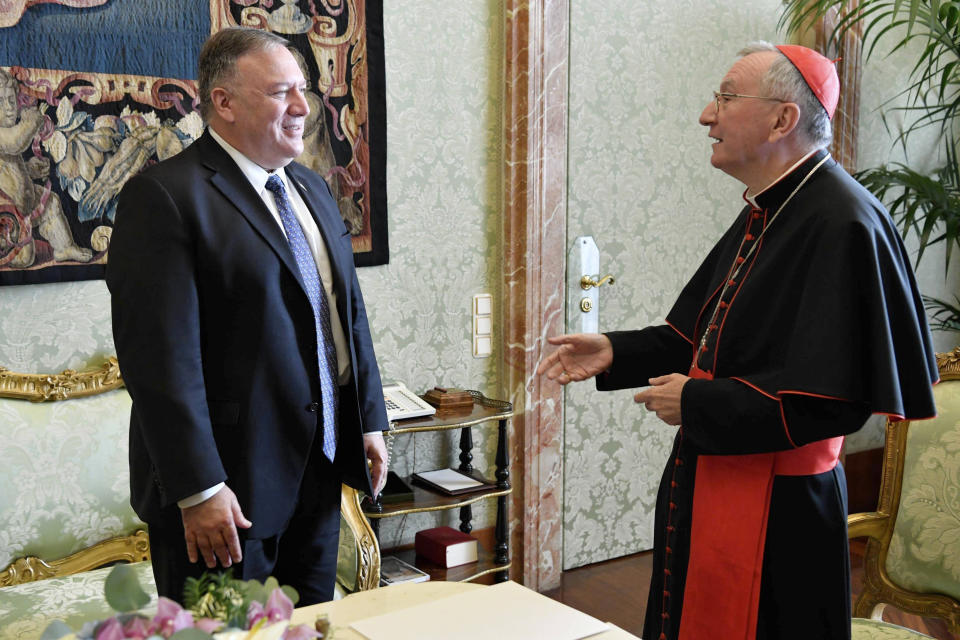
(326, 350)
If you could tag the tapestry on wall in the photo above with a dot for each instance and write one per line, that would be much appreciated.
(94, 91)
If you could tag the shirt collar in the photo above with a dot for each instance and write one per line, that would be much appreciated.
(256, 174)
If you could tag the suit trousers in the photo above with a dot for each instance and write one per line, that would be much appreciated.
(303, 555)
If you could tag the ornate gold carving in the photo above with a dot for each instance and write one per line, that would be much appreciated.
(132, 548)
(368, 573)
(878, 588)
(62, 386)
(949, 363)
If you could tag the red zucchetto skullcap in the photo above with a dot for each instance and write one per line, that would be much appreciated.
(819, 72)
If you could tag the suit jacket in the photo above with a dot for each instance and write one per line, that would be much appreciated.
(217, 343)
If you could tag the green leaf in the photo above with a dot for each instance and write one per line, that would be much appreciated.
(255, 591)
(123, 591)
(944, 316)
(56, 630)
(270, 584)
(191, 633)
(291, 593)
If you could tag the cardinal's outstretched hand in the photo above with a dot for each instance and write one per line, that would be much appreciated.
(578, 356)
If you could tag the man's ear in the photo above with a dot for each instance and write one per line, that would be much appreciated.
(788, 115)
(222, 102)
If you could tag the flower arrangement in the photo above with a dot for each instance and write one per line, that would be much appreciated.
(218, 607)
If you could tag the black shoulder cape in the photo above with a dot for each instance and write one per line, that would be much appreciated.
(829, 305)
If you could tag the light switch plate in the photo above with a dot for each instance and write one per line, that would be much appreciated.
(482, 325)
(482, 304)
(482, 346)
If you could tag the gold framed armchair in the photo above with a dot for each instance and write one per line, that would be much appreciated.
(912, 557)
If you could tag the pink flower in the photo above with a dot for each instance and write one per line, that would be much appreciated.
(279, 607)
(170, 618)
(208, 625)
(254, 614)
(110, 630)
(136, 627)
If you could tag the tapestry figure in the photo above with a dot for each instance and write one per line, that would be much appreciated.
(29, 205)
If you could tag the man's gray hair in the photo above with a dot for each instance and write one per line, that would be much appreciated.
(218, 58)
(783, 80)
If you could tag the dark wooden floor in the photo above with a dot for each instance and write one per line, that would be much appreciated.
(616, 591)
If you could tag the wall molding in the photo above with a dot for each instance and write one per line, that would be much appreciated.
(536, 49)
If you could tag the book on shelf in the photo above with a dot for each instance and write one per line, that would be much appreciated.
(449, 481)
(393, 570)
(446, 546)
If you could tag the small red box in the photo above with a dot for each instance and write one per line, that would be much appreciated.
(446, 546)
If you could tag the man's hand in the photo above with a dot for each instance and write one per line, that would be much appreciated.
(663, 397)
(211, 527)
(376, 452)
(579, 357)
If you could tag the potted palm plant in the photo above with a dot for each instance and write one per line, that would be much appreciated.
(924, 204)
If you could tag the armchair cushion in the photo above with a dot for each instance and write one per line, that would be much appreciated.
(27, 609)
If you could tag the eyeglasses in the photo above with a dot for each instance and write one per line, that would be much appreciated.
(720, 94)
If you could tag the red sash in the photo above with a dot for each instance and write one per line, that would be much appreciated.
(731, 501)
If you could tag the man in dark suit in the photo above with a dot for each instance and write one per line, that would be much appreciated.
(243, 339)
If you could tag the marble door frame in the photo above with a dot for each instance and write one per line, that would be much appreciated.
(536, 49)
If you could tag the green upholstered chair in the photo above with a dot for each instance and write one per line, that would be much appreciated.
(912, 558)
(65, 512)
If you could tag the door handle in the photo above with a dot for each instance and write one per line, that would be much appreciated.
(586, 281)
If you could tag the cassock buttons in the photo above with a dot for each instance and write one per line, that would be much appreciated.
(749, 237)
(313, 407)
